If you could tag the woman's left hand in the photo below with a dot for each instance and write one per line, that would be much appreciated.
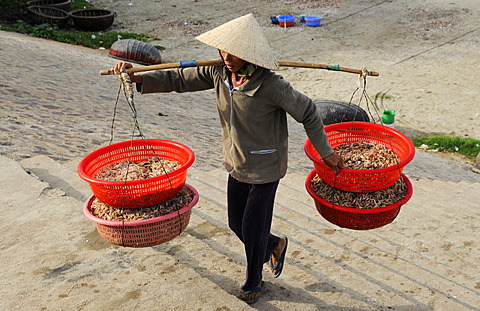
(334, 161)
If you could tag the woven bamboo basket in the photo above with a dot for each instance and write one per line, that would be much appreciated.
(92, 19)
(48, 15)
(58, 4)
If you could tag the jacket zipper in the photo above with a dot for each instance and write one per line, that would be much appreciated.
(230, 127)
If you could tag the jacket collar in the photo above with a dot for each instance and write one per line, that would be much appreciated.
(253, 83)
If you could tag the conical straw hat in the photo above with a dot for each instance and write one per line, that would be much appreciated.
(243, 38)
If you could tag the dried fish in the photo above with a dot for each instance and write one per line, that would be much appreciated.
(365, 155)
(375, 199)
(129, 170)
(107, 212)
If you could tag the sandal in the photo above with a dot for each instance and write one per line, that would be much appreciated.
(278, 268)
(251, 296)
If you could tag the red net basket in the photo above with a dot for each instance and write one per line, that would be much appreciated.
(143, 233)
(354, 180)
(136, 193)
(355, 218)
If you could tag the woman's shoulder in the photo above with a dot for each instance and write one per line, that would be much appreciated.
(270, 74)
(274, 79)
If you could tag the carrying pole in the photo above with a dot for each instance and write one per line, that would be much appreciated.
(218, 62)
(191, 63)
(327, 67)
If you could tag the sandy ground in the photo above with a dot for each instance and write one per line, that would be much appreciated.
(426, 52)
(56, 106)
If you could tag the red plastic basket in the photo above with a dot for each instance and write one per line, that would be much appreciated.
(363, 180)
(355, 218)
(143, 233)
(137, 193)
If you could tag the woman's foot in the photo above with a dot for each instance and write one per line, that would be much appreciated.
(251, 296)
(277, 259)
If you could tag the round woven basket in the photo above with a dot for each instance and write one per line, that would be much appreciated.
(92, 19)
(143, 233)
(354, 218)
(47, 15)
(363, 180)
(136, 193)
(58, 4)
(336, 112)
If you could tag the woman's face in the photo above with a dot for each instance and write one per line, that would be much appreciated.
(233, 63)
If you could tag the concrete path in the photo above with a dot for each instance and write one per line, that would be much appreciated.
(53, 258)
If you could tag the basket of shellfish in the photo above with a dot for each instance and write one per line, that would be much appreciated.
(358, 210)
(137, 173)
(374, 156)
(145, 226)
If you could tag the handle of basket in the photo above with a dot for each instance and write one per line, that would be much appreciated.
(218, 62)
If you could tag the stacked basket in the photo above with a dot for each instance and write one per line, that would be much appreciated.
(139, 193)
(366, 181)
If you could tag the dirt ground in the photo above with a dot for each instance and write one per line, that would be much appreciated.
(57, 108)
(427, 52)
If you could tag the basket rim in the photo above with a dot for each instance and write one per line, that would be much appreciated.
(307, 147)
(45, 3)
(383, 209)
(111, 223)
(31, 7)
(73, 13)
(136, 142)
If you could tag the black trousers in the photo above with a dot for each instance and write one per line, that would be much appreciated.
(250, 212)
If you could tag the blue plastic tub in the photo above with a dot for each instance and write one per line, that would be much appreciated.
(313, 21)
(286, 20)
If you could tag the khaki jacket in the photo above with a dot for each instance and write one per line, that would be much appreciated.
(253, 117)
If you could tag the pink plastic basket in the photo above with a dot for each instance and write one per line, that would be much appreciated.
(137, 193)
(363, 180)
(143, 233)
(354, 218)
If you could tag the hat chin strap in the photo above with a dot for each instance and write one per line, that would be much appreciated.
(247, 70)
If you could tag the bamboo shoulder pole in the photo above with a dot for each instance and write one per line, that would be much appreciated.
(327, 67)
(191, 63)
(218, 62)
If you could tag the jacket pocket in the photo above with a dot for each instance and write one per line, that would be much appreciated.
(263, 165)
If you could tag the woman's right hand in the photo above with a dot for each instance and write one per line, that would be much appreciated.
(121, 67)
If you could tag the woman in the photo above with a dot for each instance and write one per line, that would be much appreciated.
(252, 103)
